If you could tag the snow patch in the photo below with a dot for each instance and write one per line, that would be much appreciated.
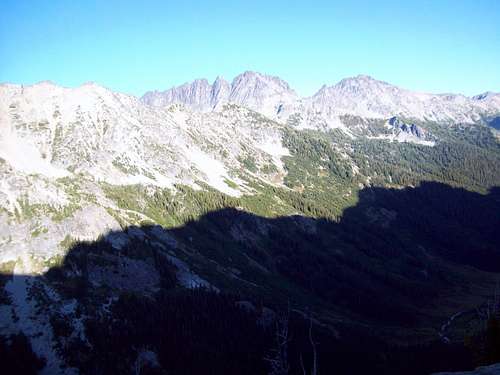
(214, 171)
(26, 157)
(404, 138)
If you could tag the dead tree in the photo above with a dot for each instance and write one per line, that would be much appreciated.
(313, 344)
(279, 361)
(314, 369)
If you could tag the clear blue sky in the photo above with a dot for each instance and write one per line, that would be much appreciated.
(135, 46)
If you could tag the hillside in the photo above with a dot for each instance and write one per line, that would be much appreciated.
(367, 210)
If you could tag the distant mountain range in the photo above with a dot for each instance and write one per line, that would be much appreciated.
(361, 96)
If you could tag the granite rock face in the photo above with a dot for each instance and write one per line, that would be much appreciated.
(260, 92)
(410, 129)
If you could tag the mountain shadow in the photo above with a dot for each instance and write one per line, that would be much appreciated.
(377, 288)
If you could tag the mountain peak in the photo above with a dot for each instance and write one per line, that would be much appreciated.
(364, 77)
(256, 76)
(257, 91)
(360, 81)
(250, 73)
(253, 74)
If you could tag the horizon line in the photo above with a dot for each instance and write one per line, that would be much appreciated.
(219, 76)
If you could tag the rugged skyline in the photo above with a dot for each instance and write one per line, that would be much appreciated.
(133, 47)
(361, 96)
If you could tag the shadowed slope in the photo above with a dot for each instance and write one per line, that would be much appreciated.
(390, 272)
